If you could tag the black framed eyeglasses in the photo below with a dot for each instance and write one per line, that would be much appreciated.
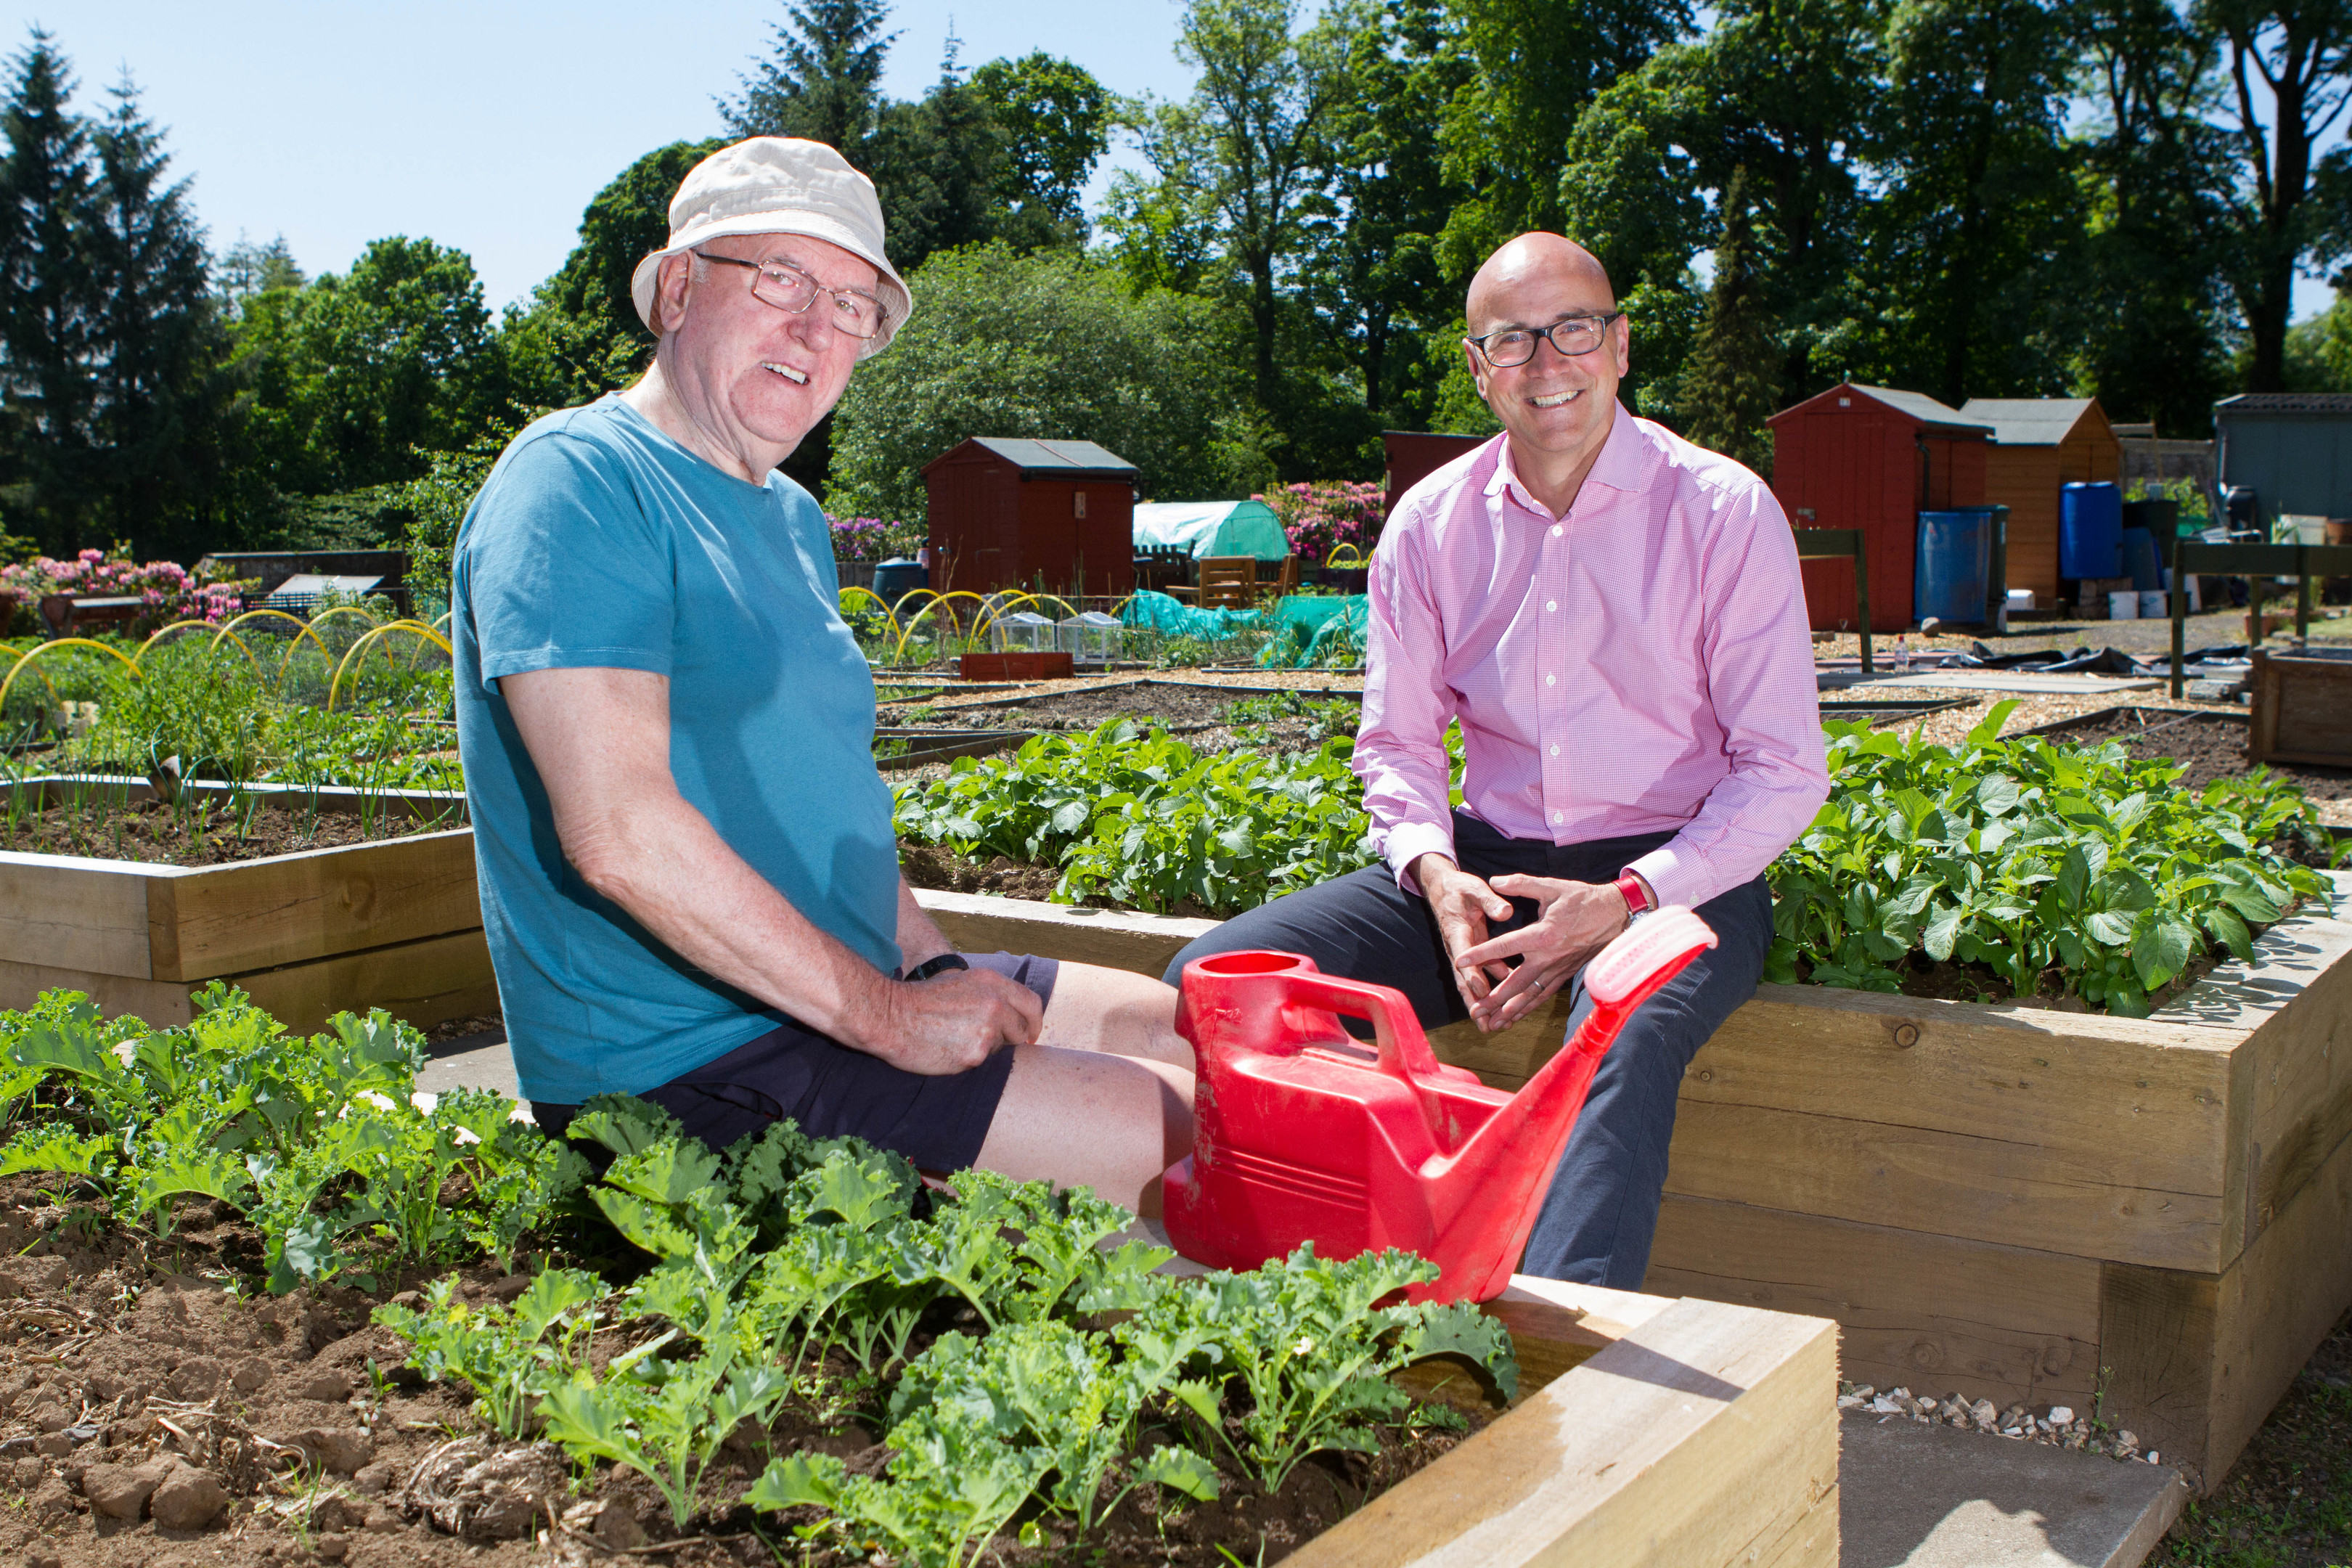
(790, 289)
(1569, 336)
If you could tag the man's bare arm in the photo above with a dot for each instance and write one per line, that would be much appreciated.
(599, 740)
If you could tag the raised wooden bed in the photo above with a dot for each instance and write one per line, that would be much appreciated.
(395, 924)
(1647, 1430)
(2147, 1218)
(2301, 709)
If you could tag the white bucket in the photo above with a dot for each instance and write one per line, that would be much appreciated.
(2152, 606)
(2305, 528)
(2020, 599)
(2124, 605)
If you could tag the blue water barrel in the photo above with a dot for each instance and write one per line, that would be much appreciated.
(2090, 531)
(2140, 559)
(1954, 559)
(897, 577)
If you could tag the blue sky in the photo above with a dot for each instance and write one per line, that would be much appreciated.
(488, 125)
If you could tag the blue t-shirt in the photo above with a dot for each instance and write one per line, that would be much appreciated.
(598, 541)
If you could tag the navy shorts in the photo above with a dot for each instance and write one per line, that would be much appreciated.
(834, 1091)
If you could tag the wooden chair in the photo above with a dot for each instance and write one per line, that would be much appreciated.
(1285, 581)
(1228, 582)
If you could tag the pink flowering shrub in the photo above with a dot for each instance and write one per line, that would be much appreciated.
(872, 539)
(1322, 516)
(169, 591)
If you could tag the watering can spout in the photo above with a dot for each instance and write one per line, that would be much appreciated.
(1304, 1135)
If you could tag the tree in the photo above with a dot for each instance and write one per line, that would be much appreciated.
(581, 337)
(48, 306)
(1731, 383)
(160, 397)
(939, 166)
(823, 80)
(1536, 63)
(246, 269)
(351, 375)
(1048, 344)
(1245, 154)
(2301, 50)
(1054, 120)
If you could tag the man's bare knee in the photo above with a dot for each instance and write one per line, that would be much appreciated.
(1113, 1011)
(1091, 1120)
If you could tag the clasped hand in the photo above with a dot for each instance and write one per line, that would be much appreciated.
(951, 1022)
(1574, 921)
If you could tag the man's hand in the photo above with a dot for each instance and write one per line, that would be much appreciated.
(950, 1022)
(1576, 920)
(1464, 904)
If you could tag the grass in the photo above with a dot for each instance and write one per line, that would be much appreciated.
(2287, 1503)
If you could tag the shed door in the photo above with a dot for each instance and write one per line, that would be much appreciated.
(1844, 477)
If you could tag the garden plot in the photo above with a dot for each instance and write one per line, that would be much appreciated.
(442, 1325)
(2209, 745)
(391, 918)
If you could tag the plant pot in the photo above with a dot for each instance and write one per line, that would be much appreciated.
(2013, 1203)
(1016, 666)
(396, 924)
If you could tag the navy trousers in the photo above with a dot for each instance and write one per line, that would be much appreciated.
(1602, 1210)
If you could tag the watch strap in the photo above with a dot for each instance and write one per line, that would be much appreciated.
(939, 965)
(1629, 888)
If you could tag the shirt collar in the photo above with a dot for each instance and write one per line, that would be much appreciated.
(1618, 466)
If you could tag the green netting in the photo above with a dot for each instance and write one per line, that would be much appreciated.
(1177, 618)
(1307, 628)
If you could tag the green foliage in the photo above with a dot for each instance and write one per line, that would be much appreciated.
(2030, 857)
(1141, 819)
(1305, 1343)
(436, 504)
(1731, 384)
(510, 1355)
(322, 1142)
(1048, 345)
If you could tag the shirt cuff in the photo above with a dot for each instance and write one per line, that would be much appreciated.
(1408, 842)
(1674, 878)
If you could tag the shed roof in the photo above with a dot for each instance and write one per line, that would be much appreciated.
(1915, 406)
(2286, 403)
(2029, 421)
(1068, 459)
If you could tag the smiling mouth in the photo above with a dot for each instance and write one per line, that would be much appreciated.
(1554, 400)
(798, 378)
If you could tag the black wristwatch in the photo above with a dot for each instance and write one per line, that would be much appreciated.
(939, 965)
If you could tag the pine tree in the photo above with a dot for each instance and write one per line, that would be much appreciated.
(48, 305)
(155, 331)
(1731, 381)
(823, 81)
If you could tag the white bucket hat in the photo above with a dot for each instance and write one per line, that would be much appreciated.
(780, 184)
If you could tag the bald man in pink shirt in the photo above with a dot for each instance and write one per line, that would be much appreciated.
(1614, 616)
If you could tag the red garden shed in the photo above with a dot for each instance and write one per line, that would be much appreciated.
(1874, 459)
(1006, 511)
(1414, 455)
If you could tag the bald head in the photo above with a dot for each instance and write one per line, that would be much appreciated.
(1536, 266)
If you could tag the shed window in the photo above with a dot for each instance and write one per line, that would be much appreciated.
(1078, 503)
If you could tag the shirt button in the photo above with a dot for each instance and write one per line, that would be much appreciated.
(1555, 751)
(1555, 531)
(1551, 681)
(1559, 815)
(1550, 604)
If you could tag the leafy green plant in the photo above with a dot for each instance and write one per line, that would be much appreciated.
(509, 1354)
(2031, 857)
(1308, 1344)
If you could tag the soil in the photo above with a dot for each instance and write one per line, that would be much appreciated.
(122, 1349)
(2210, 745)
(156, 833)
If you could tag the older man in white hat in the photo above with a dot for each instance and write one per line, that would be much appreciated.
(690, 880)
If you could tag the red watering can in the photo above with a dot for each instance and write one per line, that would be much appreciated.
(1303, 1134)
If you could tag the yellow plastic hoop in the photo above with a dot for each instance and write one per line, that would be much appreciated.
(937, 600)
(1355, 561)
(419, 628)
(301, 630)
(30, 655)
(175, 626)
(992, 617)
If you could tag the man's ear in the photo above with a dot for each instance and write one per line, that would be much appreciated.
(670, 284)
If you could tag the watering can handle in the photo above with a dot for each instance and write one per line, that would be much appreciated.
(1404, 1049)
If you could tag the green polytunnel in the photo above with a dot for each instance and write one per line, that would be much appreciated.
(1211, 528)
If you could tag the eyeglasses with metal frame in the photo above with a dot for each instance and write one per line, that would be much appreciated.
(790, 289)
(1569, 336)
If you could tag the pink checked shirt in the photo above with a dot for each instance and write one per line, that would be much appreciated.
(1639, 665)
